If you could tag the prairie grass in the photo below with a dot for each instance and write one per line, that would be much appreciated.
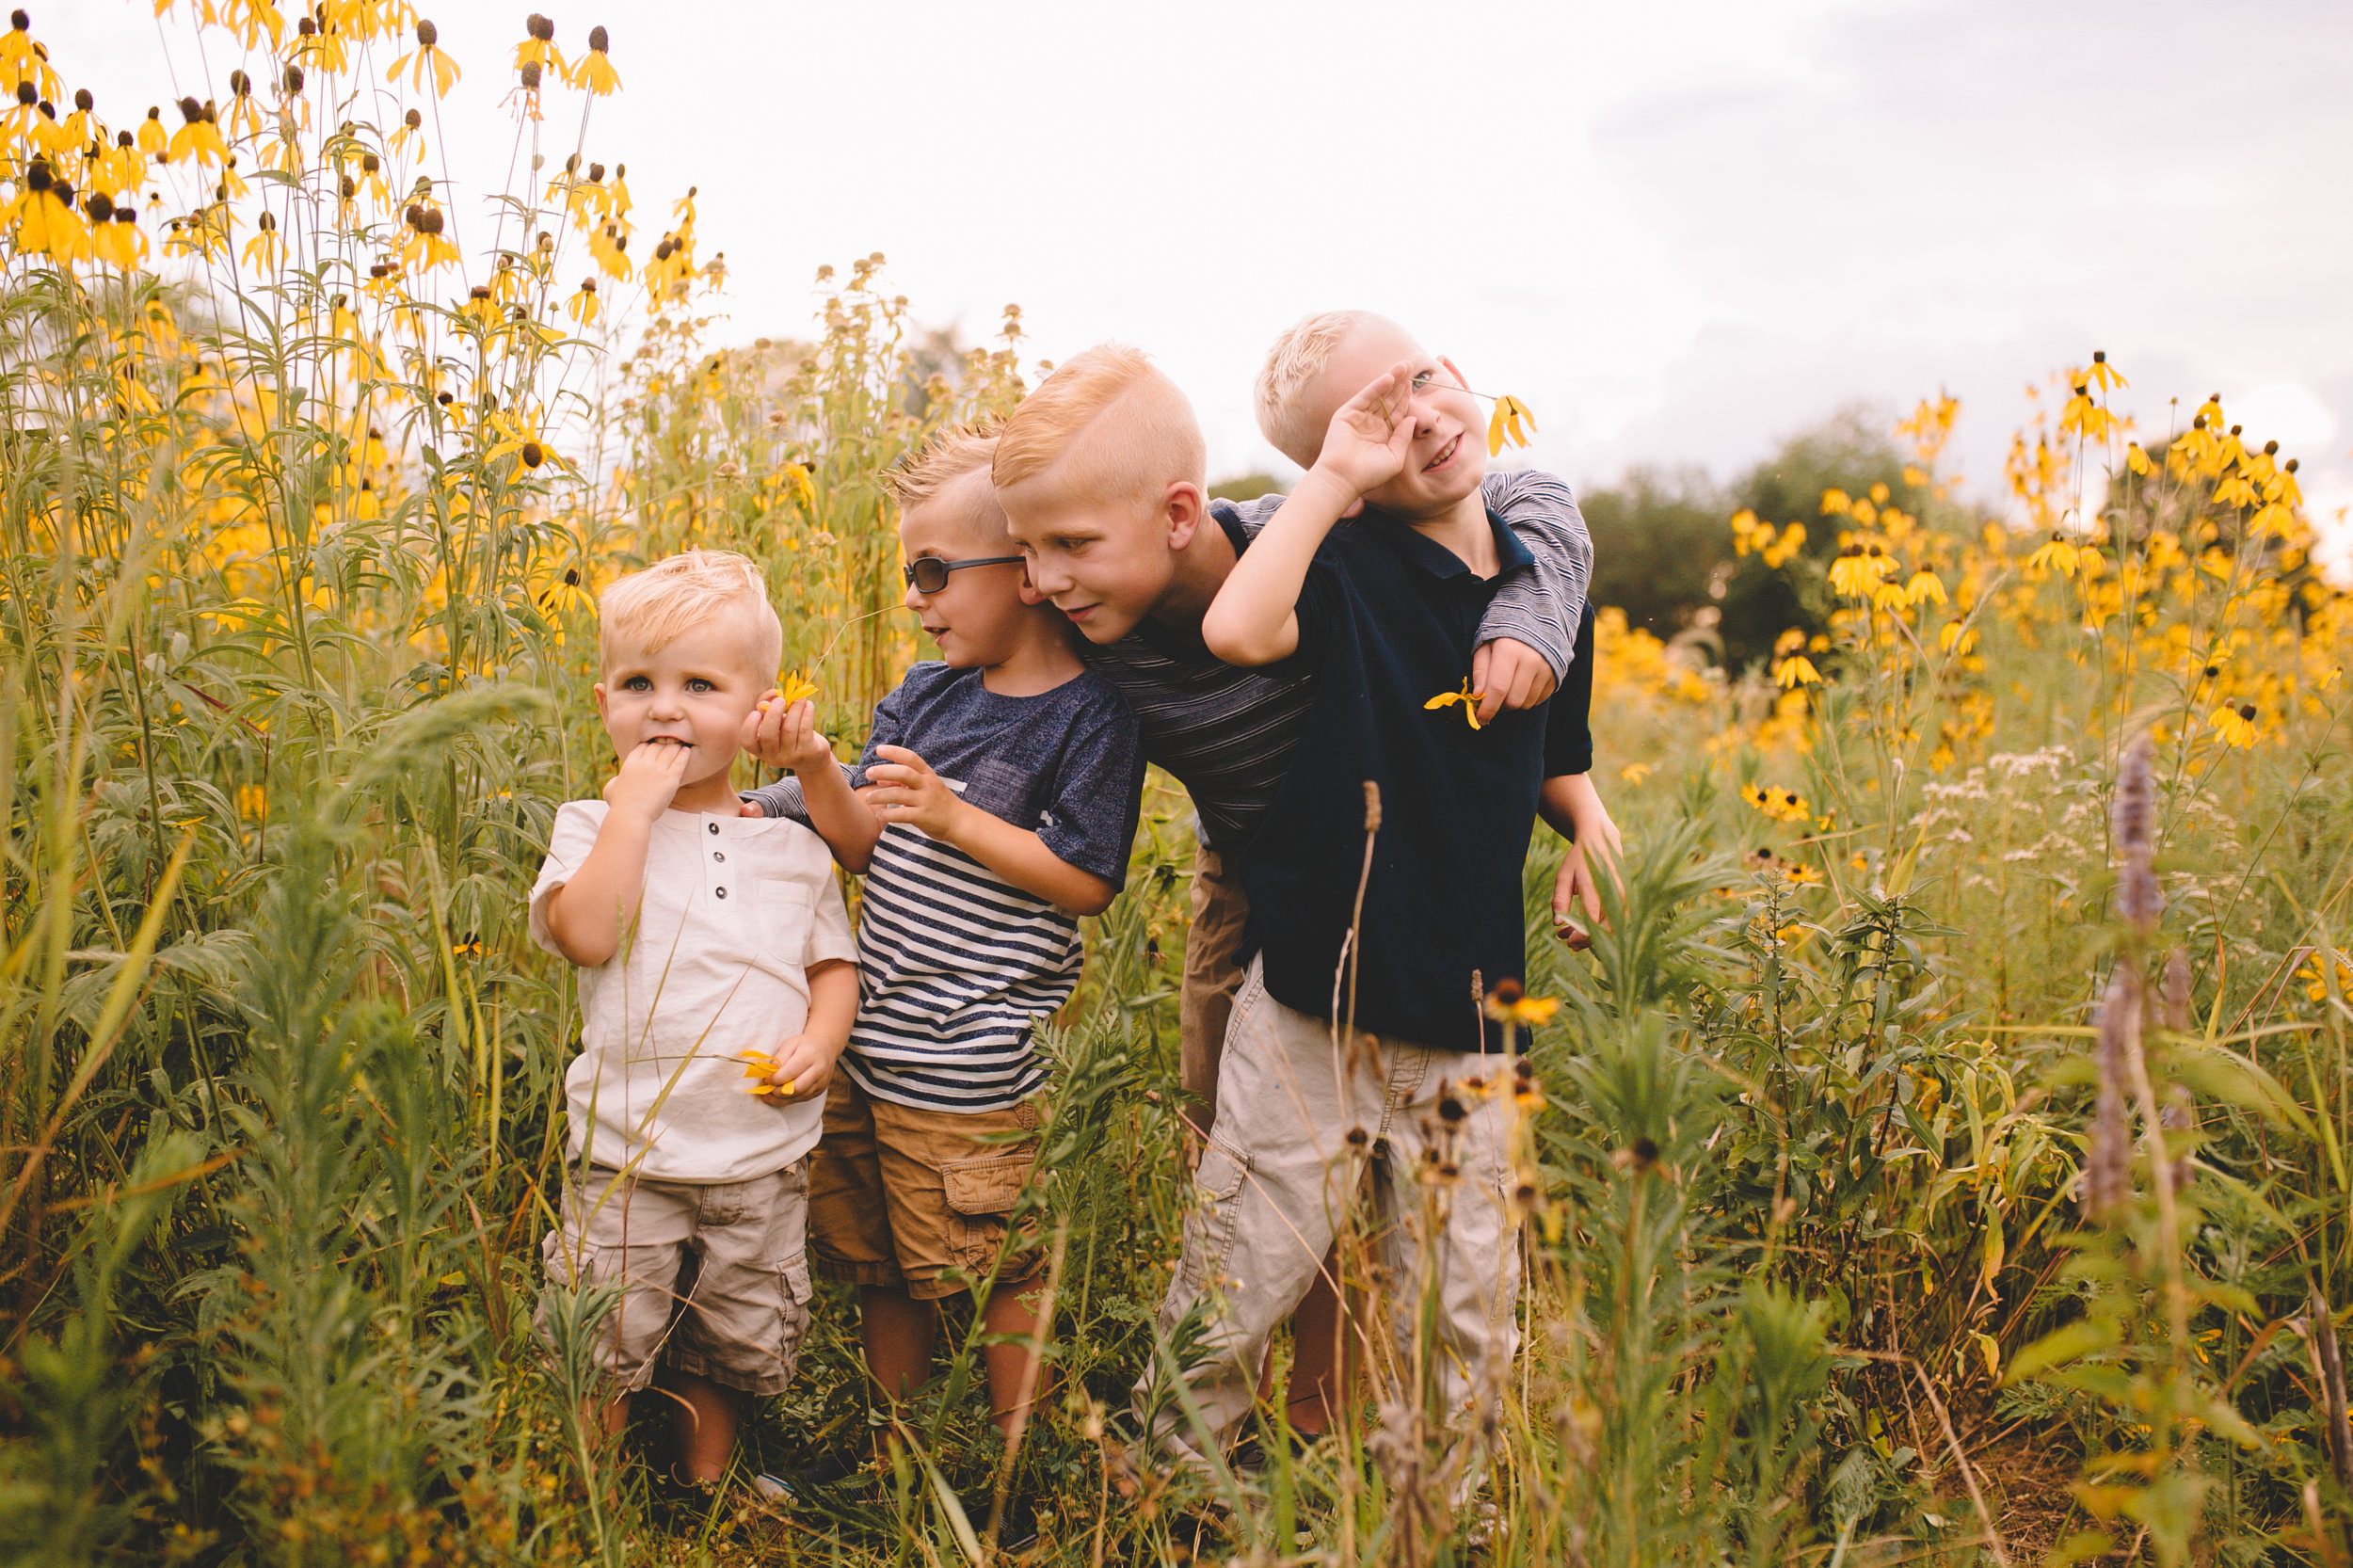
(299, 540)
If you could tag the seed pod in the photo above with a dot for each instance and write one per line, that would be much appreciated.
(427, 34)
(370, 163)
(530, 75)
(100, 206)
(600, 40)
(122, 138)
(350, 188)
(84, 102)
(190, 110)
(539, 27)
(241, 84)
(433, 221)
(414, 217)
(25, 95)
(596, 173)
(413, 120)
(294, 79)
(534, 454)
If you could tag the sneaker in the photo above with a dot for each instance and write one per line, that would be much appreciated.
(802, 1480)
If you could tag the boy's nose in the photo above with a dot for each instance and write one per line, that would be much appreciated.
(915, 598)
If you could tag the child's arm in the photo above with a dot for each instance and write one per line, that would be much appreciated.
(585, 914)
(1574, 808)
(786, 736)
(903, 788)
(1254, 618)
(804, 1063)
(1523, 640)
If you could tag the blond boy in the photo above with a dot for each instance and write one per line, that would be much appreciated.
(994, 805)
(699, 934)
(1100, 472)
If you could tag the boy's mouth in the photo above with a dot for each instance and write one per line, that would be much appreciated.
(1078, 613)
(1445, 455)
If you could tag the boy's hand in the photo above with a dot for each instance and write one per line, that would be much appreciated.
(785, 735)
(1574, 889)
(649, 780)
(1508, 674)
(902, 789)
(1366, 444)
(804, 1067)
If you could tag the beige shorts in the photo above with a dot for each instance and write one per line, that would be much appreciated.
(916, 1199)
(1280, 1177)
(1211, 977)
(713, 1279)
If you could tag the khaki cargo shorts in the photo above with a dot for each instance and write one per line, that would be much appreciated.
(1220, 911)
(912, 1198)
(713, 1277)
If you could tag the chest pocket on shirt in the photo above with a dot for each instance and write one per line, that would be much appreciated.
(1002, 789)
(782, 910)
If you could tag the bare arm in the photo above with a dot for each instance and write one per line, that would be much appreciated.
(586, 915)
(1254, 618)
(903, 788)
(804, 1063)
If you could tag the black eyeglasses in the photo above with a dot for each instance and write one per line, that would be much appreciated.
(930, 573)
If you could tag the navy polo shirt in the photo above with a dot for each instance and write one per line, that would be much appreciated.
(1387, 620)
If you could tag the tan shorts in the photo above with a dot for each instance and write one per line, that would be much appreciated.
(1280, 1177)
(1211, 977)
(914, 1199)
(713, 1280)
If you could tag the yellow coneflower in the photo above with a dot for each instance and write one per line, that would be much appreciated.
(2085, 417)
(198, 138)
(582, 306)
(1468, 699)
(1834, 502)
(2060, 553)
(1858, 569)
(408, 134)
(244, 114)
(1509, 1003)
(1505, 425)
(594, 72)
(2135, 458)
(2104, 374)
(538, 47)
(1926, 588)
(266, 250)
(1795, 671)
(1957, 637)
(2236, 726)
(427, 60)
(46, 223)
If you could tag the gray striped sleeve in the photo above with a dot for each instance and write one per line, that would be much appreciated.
(1542, 608)
(783, 799)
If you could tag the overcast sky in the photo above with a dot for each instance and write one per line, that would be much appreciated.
(1678, 232)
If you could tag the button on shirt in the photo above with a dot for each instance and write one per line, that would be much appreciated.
(1387, 620)
(735, 911)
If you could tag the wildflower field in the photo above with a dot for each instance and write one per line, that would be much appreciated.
(1941, 1155)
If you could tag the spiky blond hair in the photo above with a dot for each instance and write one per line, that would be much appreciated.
(953, 452)
(647, 611)
(1108, 425)
(1292, 366)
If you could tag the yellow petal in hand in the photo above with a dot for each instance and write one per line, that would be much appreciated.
(795, 688)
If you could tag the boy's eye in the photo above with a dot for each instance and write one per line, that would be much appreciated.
(1423, 379)
(637, 684)
(697, 683)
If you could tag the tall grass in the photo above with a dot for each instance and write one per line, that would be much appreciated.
(297, 543)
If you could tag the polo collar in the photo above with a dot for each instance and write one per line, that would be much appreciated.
(1437, 560)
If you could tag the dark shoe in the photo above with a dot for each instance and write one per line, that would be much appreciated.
(817, 1476)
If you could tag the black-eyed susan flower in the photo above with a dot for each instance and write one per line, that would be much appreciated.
(1925, 587)
(1504, 425)
(759, 1067)
(538, 47)
(427, 60)
(2235, 725)
(2104, 375)
(2135, 458)
(198, 138)
(407, 138)
(1858, 568)
(118, 242)
(1510, 1003)
(582, 306)
(1957, 638)
(795, 688)
(266, 250)
(46, 223)
(2060, 554)
(594, 74)
(1795, 671)
(2086, 417)
(1835, 501)
(1468, 699)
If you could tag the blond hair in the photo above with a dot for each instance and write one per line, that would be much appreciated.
(1293, 365)
(652, 608)
(1109, 427)
(950, 452)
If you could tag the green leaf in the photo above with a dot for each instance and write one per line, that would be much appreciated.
(2060, 1346)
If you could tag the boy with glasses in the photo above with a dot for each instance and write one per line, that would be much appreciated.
(994, 805)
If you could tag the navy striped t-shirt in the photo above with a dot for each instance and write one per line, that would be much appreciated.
(957, 966)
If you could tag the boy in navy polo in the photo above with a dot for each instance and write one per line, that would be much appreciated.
(1385, 613)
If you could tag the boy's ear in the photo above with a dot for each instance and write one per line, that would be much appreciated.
(596, 691)
(1183, 507)
(1028, 591)
(1456, 370)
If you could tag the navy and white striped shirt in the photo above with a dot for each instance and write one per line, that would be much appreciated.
(957, 966)
(1227, 732)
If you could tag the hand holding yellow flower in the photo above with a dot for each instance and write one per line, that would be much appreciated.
(1468, 699)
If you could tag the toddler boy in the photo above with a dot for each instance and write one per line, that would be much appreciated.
(994, 804)
(699, 934)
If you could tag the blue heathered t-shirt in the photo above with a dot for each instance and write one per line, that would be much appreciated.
(957, 964)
